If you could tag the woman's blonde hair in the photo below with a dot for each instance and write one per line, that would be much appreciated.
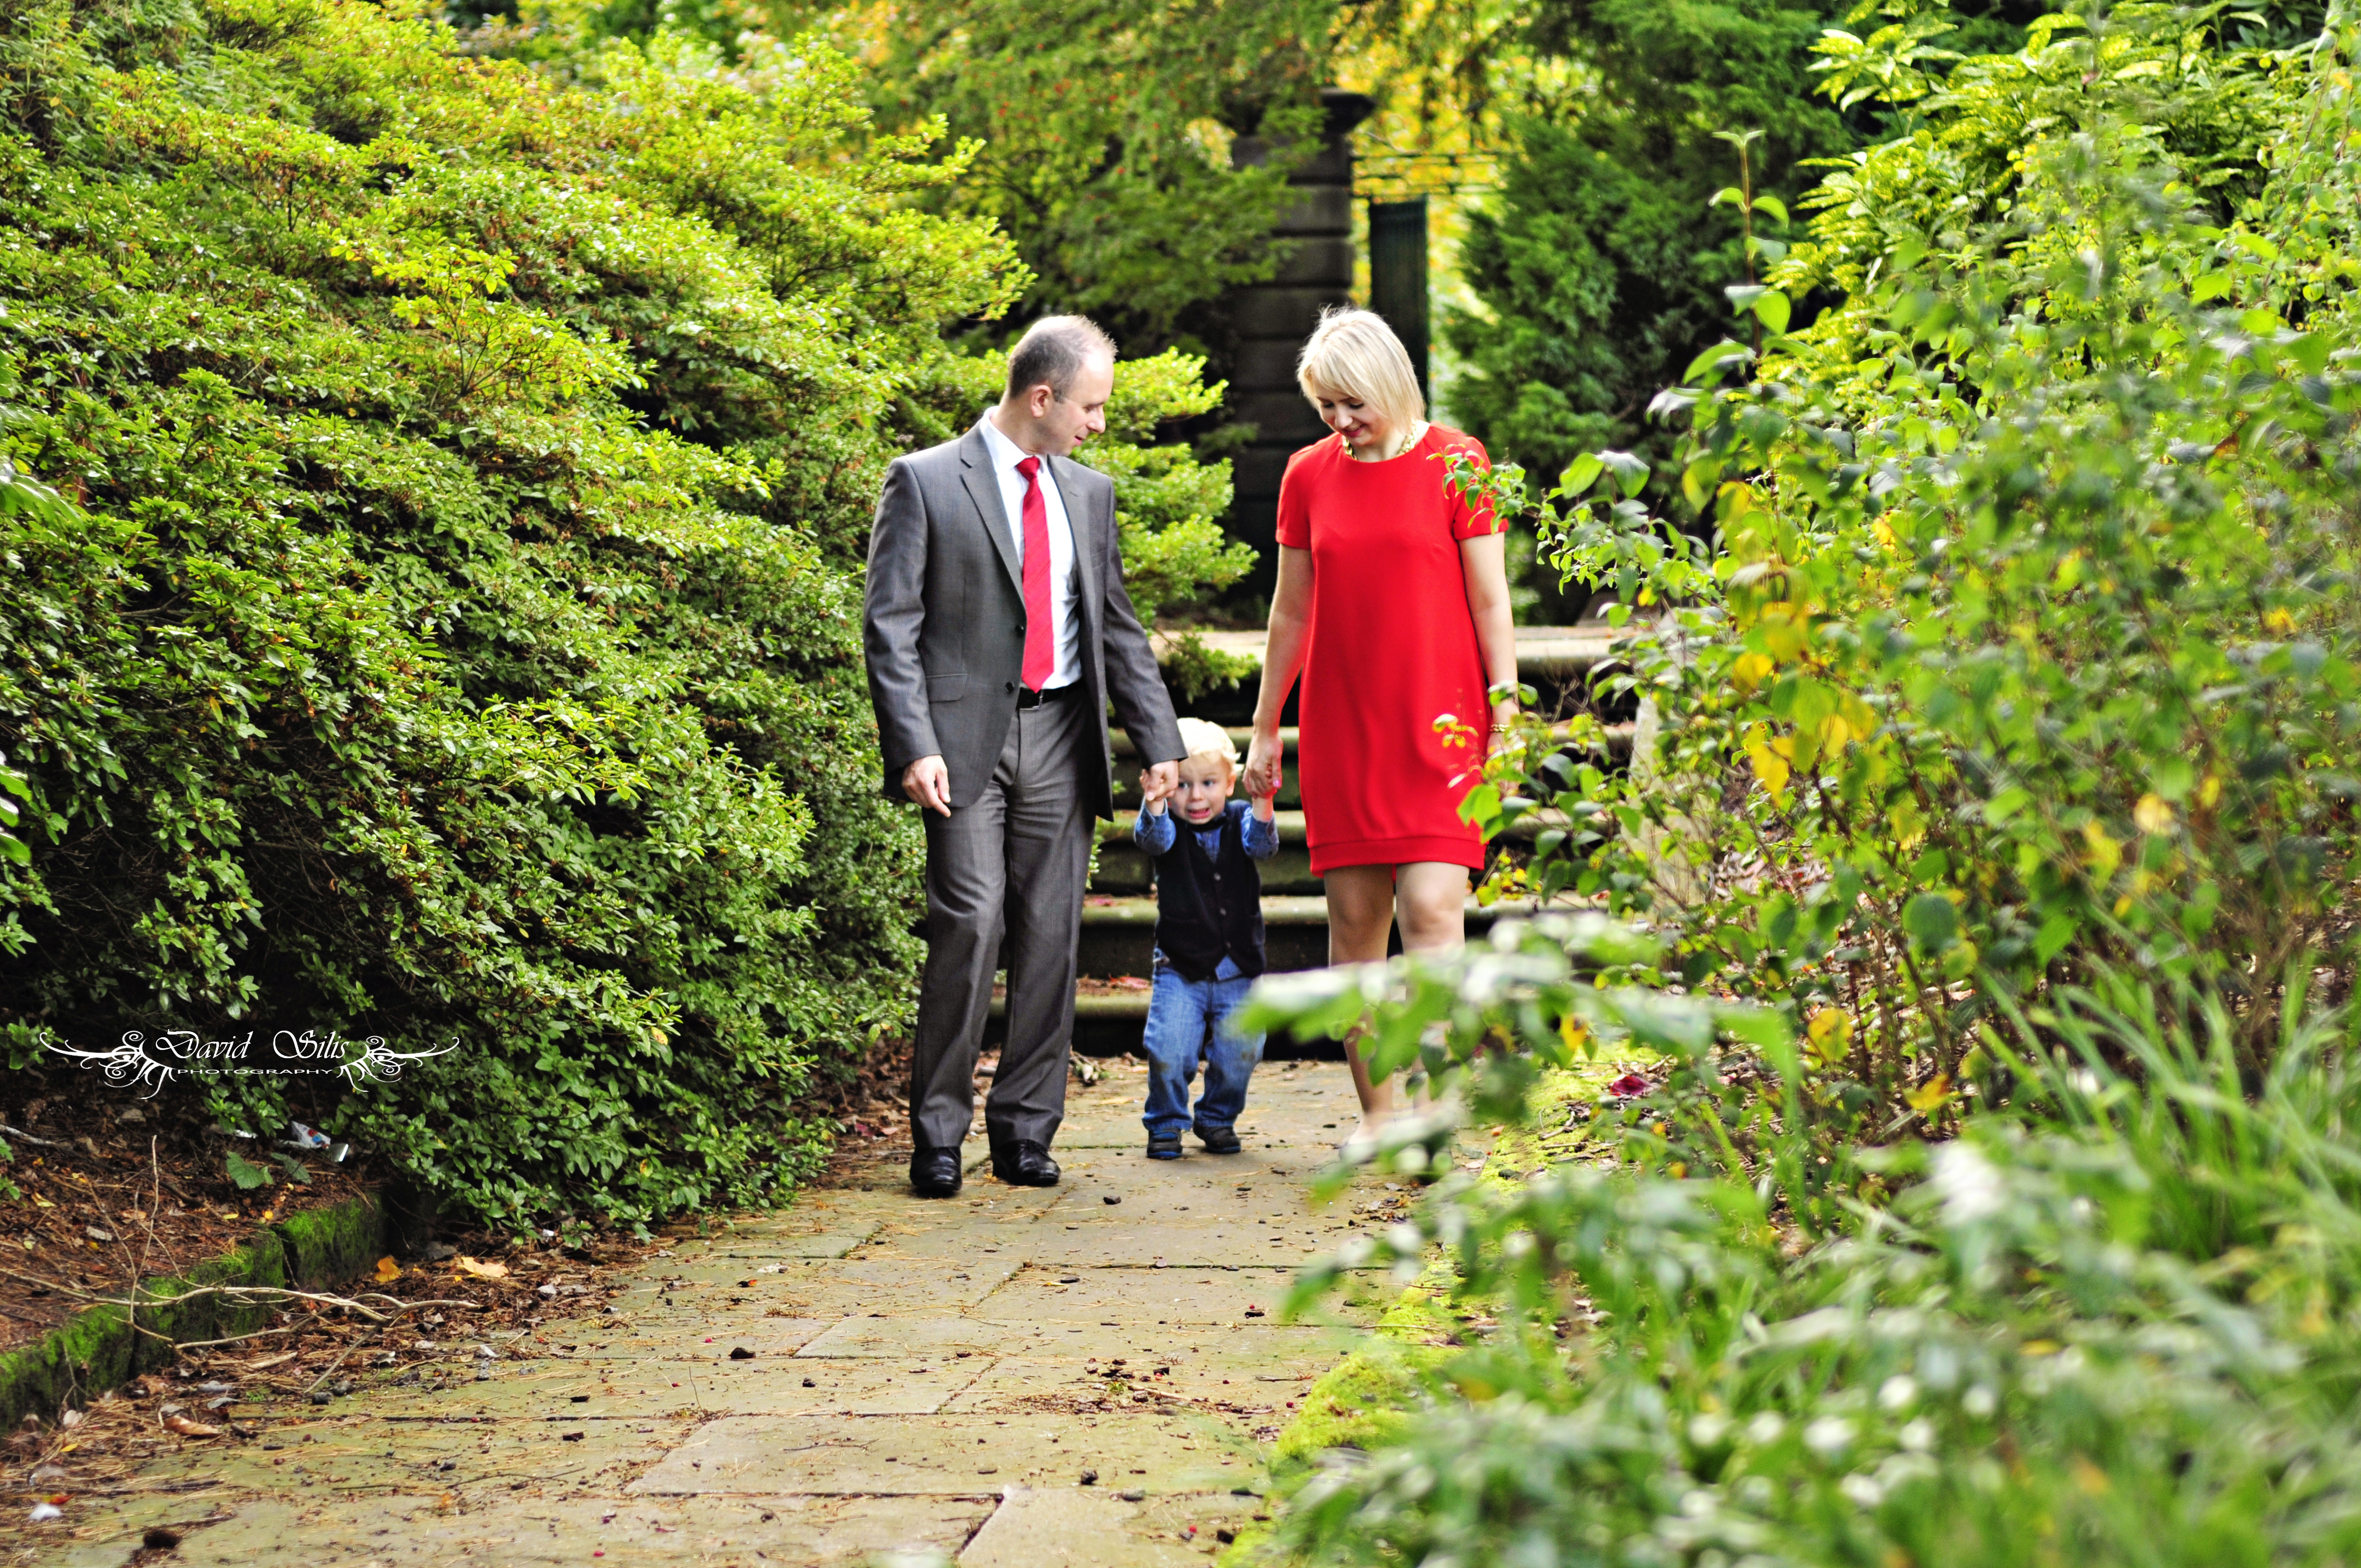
(1205, 739)
(1354, 354)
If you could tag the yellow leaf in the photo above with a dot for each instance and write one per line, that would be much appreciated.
(2102, 853)
(1930, 1094)
(2089, 1478)
(2151, 814)
(388, 1271)
(1785, 637)
(2210, 791)
(1768, 754)
(1576, 1038)
(1751, 670)
(466, 1265)
(1830, 1030)
(2281, 621)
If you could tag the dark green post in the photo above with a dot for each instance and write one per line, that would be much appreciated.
(1398, 273)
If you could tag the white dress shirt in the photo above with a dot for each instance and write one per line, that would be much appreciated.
(1065, 626)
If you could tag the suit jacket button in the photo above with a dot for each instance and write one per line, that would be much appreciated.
(1008, 686)
(1020, 629)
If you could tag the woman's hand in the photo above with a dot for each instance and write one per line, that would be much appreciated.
(1265, 755)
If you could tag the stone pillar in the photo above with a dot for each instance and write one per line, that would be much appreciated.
(1398, 275)
(1272, 321)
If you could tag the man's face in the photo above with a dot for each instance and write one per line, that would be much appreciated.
(1204, 786)
(1066, 423)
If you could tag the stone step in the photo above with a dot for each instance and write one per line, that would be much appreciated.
(1124, 869)
(1119, 934)
(1117, 948)
(1543, 652)
(1290, 798)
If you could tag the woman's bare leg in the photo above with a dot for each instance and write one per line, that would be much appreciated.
(1360, 917)
(1431, 904)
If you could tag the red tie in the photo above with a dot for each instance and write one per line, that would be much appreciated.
(1040, 655)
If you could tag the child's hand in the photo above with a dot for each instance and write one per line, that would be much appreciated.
(1264, 805)
(1155, 790)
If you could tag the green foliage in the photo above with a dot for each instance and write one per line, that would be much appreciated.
(1997, 747)
(2030, 627)
(1104, 137)
(460, 644)
(1598, 271)
(2115, 1330)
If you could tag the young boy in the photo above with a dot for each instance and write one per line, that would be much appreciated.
(1208, 942)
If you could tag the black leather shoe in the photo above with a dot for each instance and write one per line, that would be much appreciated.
(935, 1173)
(1218, 1140)
(1024, 1163)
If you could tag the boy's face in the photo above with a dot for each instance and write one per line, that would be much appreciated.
(1204, 786)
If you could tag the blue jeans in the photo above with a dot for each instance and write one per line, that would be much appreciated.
(1185, 1017)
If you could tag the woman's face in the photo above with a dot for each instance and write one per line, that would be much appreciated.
(1361, 425)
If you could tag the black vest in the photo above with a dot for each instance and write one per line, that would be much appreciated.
(1208, 906)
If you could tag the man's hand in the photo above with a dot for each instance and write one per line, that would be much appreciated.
(1153, 795)
(1158, 780)
(929, 782)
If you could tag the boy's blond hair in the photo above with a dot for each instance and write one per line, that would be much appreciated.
(1205, 739)
(1354, 354)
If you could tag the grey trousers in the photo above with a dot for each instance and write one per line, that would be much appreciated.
(1013, 864)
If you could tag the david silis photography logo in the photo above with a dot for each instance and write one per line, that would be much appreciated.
(154, 1061)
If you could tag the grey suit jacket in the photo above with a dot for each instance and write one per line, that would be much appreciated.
(944, 623)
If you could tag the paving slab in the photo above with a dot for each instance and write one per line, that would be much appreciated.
(1162, 1451)
(930, 1376)
(361, 1455)
(1257, 1384)
(840, 1287)
(1051, 1293)
(1082, 1527)
(642, 1388)
(909, 1339)
(402, 1530)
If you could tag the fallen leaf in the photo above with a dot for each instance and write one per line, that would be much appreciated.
(188, 1428)
(388, 1271)
(466, 1265)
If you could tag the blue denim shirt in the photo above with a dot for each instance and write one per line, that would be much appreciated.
(1156, 835)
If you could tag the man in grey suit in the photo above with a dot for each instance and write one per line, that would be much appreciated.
(997, 631)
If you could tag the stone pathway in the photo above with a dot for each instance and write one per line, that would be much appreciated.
(1078, 1376)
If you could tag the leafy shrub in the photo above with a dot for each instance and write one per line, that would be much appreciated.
(2110, 1325)
(457, 639)
(2002, 743)
(2026, 644)
(459, 643)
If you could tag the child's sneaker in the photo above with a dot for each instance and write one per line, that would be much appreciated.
(1164, 1146)
(1217, 1140)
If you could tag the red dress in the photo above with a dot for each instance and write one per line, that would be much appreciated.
(1392, 648)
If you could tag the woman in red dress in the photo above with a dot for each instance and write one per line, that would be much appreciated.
(1392, 604)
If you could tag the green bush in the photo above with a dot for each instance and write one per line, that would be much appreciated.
(460, 644)
(2113, 1326)
(1596, 272)
(2001, 759)
(2027, 641)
